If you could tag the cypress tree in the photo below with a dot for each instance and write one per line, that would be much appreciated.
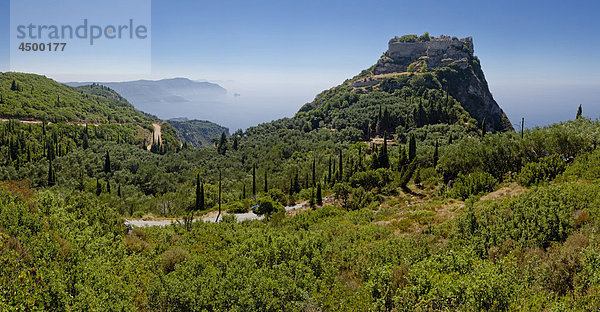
(329, 175)
(254, 180)
(412, 148)
(402, 158)
(235, 143)
(202, 204)
(579, 112)
(359, 157)
(319, 195)
(296, 184)
(417, 177)
(314, 171)
(306, 181)
(341, 170)
(435, 155)
(107, 163)
(13, 86)
(51, 175)
(385, 121)
(85, 141)
(108, 186)
(51, 151)
(244, 192)
(119, 191)
(98, 187)
(406, 175)
(335, 174)
(198, 194)
(222, 147)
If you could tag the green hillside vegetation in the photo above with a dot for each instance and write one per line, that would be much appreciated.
(36, 97)
(198, 133)
(385, 250)
(422, 209)
(396, 106)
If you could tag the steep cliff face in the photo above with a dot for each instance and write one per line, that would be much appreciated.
(453, 62)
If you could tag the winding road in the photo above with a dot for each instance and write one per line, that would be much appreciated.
(209, 217)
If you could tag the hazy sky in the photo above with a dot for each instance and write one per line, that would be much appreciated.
(540, 58)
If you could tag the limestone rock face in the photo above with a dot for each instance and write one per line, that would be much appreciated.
(452, 60)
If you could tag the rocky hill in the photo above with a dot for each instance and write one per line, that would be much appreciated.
(455, 62)
(421, 80)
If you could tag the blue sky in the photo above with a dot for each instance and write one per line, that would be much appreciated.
(540, 57)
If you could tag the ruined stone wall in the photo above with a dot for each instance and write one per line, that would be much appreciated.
(408, 49)
(437, 52)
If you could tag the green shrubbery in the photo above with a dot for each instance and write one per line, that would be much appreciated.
(472, 184)
(543, 171)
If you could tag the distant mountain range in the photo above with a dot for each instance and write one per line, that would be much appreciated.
(172, 98)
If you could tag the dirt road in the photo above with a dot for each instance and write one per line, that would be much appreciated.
(157, 136)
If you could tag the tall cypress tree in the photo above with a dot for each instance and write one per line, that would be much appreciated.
(402, 158)
(341, 167)
(412, 148)
(579, 112)
(319, 195)
(198, 193)
(329, 174)
(107, 163)
(235, 142)
(98, 187)
(86, 137)
(314, 171)
(435, 155)
(360, 157)
(306, 181)
(254, 180)
(296, 184)
(119, 191)
(202, 205)
(51, 175)
(222, 147)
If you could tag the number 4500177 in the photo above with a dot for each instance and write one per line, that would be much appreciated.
(50, 46)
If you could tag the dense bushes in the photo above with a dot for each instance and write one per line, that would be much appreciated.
(544, 170)
(472, 184)
(533, 219)
(327, 258)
